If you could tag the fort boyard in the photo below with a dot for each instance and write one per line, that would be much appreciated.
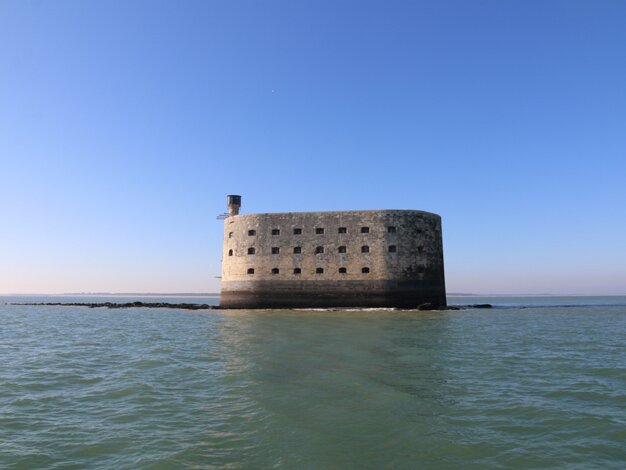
(372, 258)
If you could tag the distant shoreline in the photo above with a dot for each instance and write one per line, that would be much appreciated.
(113, 294)
(216, 294)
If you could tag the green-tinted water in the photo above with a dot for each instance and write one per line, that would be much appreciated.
(155, 388)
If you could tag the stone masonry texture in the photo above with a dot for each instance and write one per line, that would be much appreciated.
(376, 258)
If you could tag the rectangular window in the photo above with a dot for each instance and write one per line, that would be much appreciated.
(341, 249)
(319, 271)
(251, 233)
(343, 230)
(297, 250)
(392, 248)
(365, 230)
(275, 231)
(250, 271)
(297, 231)
(275, 271)
(297, 270)
(319, 231)
(275, 250)
(343, 270)
(319, 249)
(391, 230)
(365, 249)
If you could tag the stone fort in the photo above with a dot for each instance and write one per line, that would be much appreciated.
(371, 258)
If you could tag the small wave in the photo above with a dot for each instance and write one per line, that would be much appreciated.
(348, 309)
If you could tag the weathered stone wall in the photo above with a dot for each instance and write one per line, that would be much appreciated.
(404, 257)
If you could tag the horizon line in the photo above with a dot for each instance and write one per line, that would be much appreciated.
(198, 294)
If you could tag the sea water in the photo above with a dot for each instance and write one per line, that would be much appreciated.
(532, 383)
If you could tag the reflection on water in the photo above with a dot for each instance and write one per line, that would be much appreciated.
(146, 388)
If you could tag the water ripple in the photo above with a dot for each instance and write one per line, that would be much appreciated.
(159, 388)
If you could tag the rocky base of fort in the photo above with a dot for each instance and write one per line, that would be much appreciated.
(184, 306)
(187, 306)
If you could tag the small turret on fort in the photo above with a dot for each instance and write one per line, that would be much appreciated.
(373, 258)
(234, 203)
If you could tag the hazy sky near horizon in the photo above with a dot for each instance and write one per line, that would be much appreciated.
(123, 125)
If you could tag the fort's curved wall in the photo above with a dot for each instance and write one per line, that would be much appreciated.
(404, 257)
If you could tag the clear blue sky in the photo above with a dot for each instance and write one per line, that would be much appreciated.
(123, 125)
